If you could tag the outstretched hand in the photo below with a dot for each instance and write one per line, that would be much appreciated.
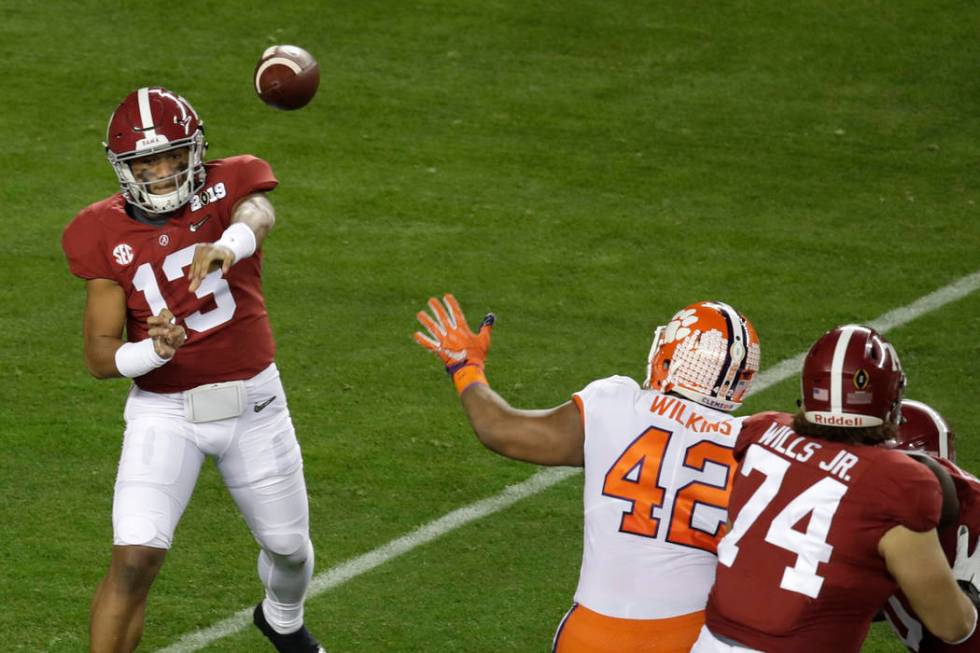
(449, 336)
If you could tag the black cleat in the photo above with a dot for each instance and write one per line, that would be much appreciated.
(299, 642)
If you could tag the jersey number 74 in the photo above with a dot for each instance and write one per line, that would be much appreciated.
(820, 501)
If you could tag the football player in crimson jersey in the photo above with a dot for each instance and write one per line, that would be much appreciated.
(658, 466)
(923, 429)
(172, 266)
(825, 525)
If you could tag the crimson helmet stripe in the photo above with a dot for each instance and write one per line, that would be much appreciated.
(146, 114)
(941, 427)
(837, 369)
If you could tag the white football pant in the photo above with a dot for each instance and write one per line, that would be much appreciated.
(259, 459)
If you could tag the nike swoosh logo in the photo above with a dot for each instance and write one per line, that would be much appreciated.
(262, 404)
(200, 223)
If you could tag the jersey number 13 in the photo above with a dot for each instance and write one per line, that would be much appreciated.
(173, 268)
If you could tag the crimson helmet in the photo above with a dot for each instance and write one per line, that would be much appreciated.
(150, 121)
(852, 378)
(923, 429)
(708, 352)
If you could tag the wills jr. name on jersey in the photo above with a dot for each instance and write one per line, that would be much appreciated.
(777, 438)
(208, 195)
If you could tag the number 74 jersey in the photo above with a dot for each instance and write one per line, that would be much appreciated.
(800, 570)
(658, 471)
(228, 331)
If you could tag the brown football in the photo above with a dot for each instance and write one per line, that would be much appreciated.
(286, 77)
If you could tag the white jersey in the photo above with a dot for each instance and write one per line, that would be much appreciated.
(658, 471)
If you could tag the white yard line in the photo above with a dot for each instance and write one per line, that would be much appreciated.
(345, 571)
(540, 481)
(886, 322)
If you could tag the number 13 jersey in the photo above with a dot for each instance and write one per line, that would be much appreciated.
(800, 570)
(658, 471)
(228, 331)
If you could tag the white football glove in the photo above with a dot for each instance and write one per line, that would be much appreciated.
(966, 567)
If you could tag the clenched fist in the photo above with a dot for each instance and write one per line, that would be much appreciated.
(167, 335)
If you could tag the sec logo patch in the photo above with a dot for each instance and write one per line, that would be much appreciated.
(123, 254)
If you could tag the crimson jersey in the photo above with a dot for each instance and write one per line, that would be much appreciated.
(903, 620)
(799, 570)
(228, 332)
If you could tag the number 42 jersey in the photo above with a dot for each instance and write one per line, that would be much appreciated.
(658, 472)
(228, 331)
(800, 570)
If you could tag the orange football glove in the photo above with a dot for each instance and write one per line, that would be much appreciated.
(449, 336)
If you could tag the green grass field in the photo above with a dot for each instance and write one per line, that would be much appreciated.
(581, 168)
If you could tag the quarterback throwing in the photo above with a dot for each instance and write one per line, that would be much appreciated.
(172, 266)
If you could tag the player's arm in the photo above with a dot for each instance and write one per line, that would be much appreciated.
(545, 437)
(252, 218)
(257, 212)
(951, 502)
(107, 355)
(102, 326)
(917, 562)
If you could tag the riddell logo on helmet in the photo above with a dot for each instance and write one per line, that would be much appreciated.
(836, 420)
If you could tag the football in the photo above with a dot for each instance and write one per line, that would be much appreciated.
(286, 77)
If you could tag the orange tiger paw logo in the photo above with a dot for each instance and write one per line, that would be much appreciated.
(679, 326)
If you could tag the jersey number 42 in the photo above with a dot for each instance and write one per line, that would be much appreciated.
(638, 476)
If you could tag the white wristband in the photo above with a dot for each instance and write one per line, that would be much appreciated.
(135, 359)
(240, 239)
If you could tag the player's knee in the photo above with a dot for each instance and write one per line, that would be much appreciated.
(133, 569)
(290, 548)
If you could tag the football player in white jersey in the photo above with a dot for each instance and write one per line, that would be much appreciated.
(658, 468)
